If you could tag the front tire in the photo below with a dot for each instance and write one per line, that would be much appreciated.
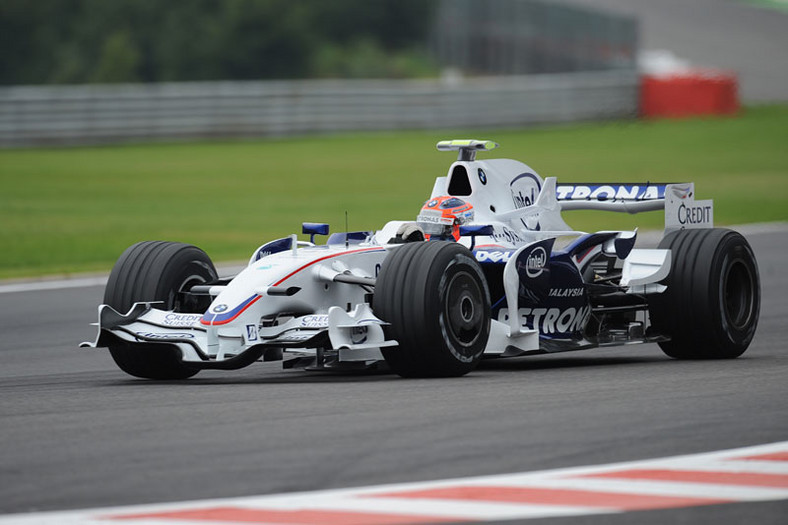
(711, 306)
(436, 299)
(157, 271)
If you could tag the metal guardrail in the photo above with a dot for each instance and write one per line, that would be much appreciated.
(95, 114)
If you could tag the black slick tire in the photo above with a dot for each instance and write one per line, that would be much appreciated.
(711, 306)
(157, 271)
(436, 299)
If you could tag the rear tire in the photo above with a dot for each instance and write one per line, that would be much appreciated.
(710, 309)
(436, 299)
(157, 271)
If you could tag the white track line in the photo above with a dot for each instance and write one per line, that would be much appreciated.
(47, 284)
(61, 284)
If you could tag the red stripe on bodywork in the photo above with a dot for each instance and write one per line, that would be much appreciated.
(550, 496)
(303, 517)
(286, 277)
(225, 321)
(580, 258)
(699, 476)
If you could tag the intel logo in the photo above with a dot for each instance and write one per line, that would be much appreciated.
(536, 262)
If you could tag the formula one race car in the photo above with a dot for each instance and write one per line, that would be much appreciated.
(488, 269)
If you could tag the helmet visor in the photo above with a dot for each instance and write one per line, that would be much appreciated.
(433, 222)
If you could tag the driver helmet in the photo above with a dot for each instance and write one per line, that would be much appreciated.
(443, 216)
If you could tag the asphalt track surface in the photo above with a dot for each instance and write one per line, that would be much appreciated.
(76, 432)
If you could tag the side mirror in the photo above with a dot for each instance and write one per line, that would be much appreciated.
(314, 228)
(473, 231)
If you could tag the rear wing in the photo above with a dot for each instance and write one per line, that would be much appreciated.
(677, 199)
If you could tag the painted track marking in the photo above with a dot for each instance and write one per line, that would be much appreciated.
(47, 285)
(747, 474)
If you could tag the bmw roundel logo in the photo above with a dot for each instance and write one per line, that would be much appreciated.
(432, 203)
(482, 176)
(219, 308)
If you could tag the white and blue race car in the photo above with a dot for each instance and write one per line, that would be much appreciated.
(488, 269)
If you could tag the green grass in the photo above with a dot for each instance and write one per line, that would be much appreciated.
(76, 210)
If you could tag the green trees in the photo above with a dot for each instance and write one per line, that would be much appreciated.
(83, 41)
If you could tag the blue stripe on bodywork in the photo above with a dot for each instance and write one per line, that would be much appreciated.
(213, 318)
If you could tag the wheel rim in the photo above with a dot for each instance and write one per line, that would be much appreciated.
(187, 303)
(738, 294)
(464, 309)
